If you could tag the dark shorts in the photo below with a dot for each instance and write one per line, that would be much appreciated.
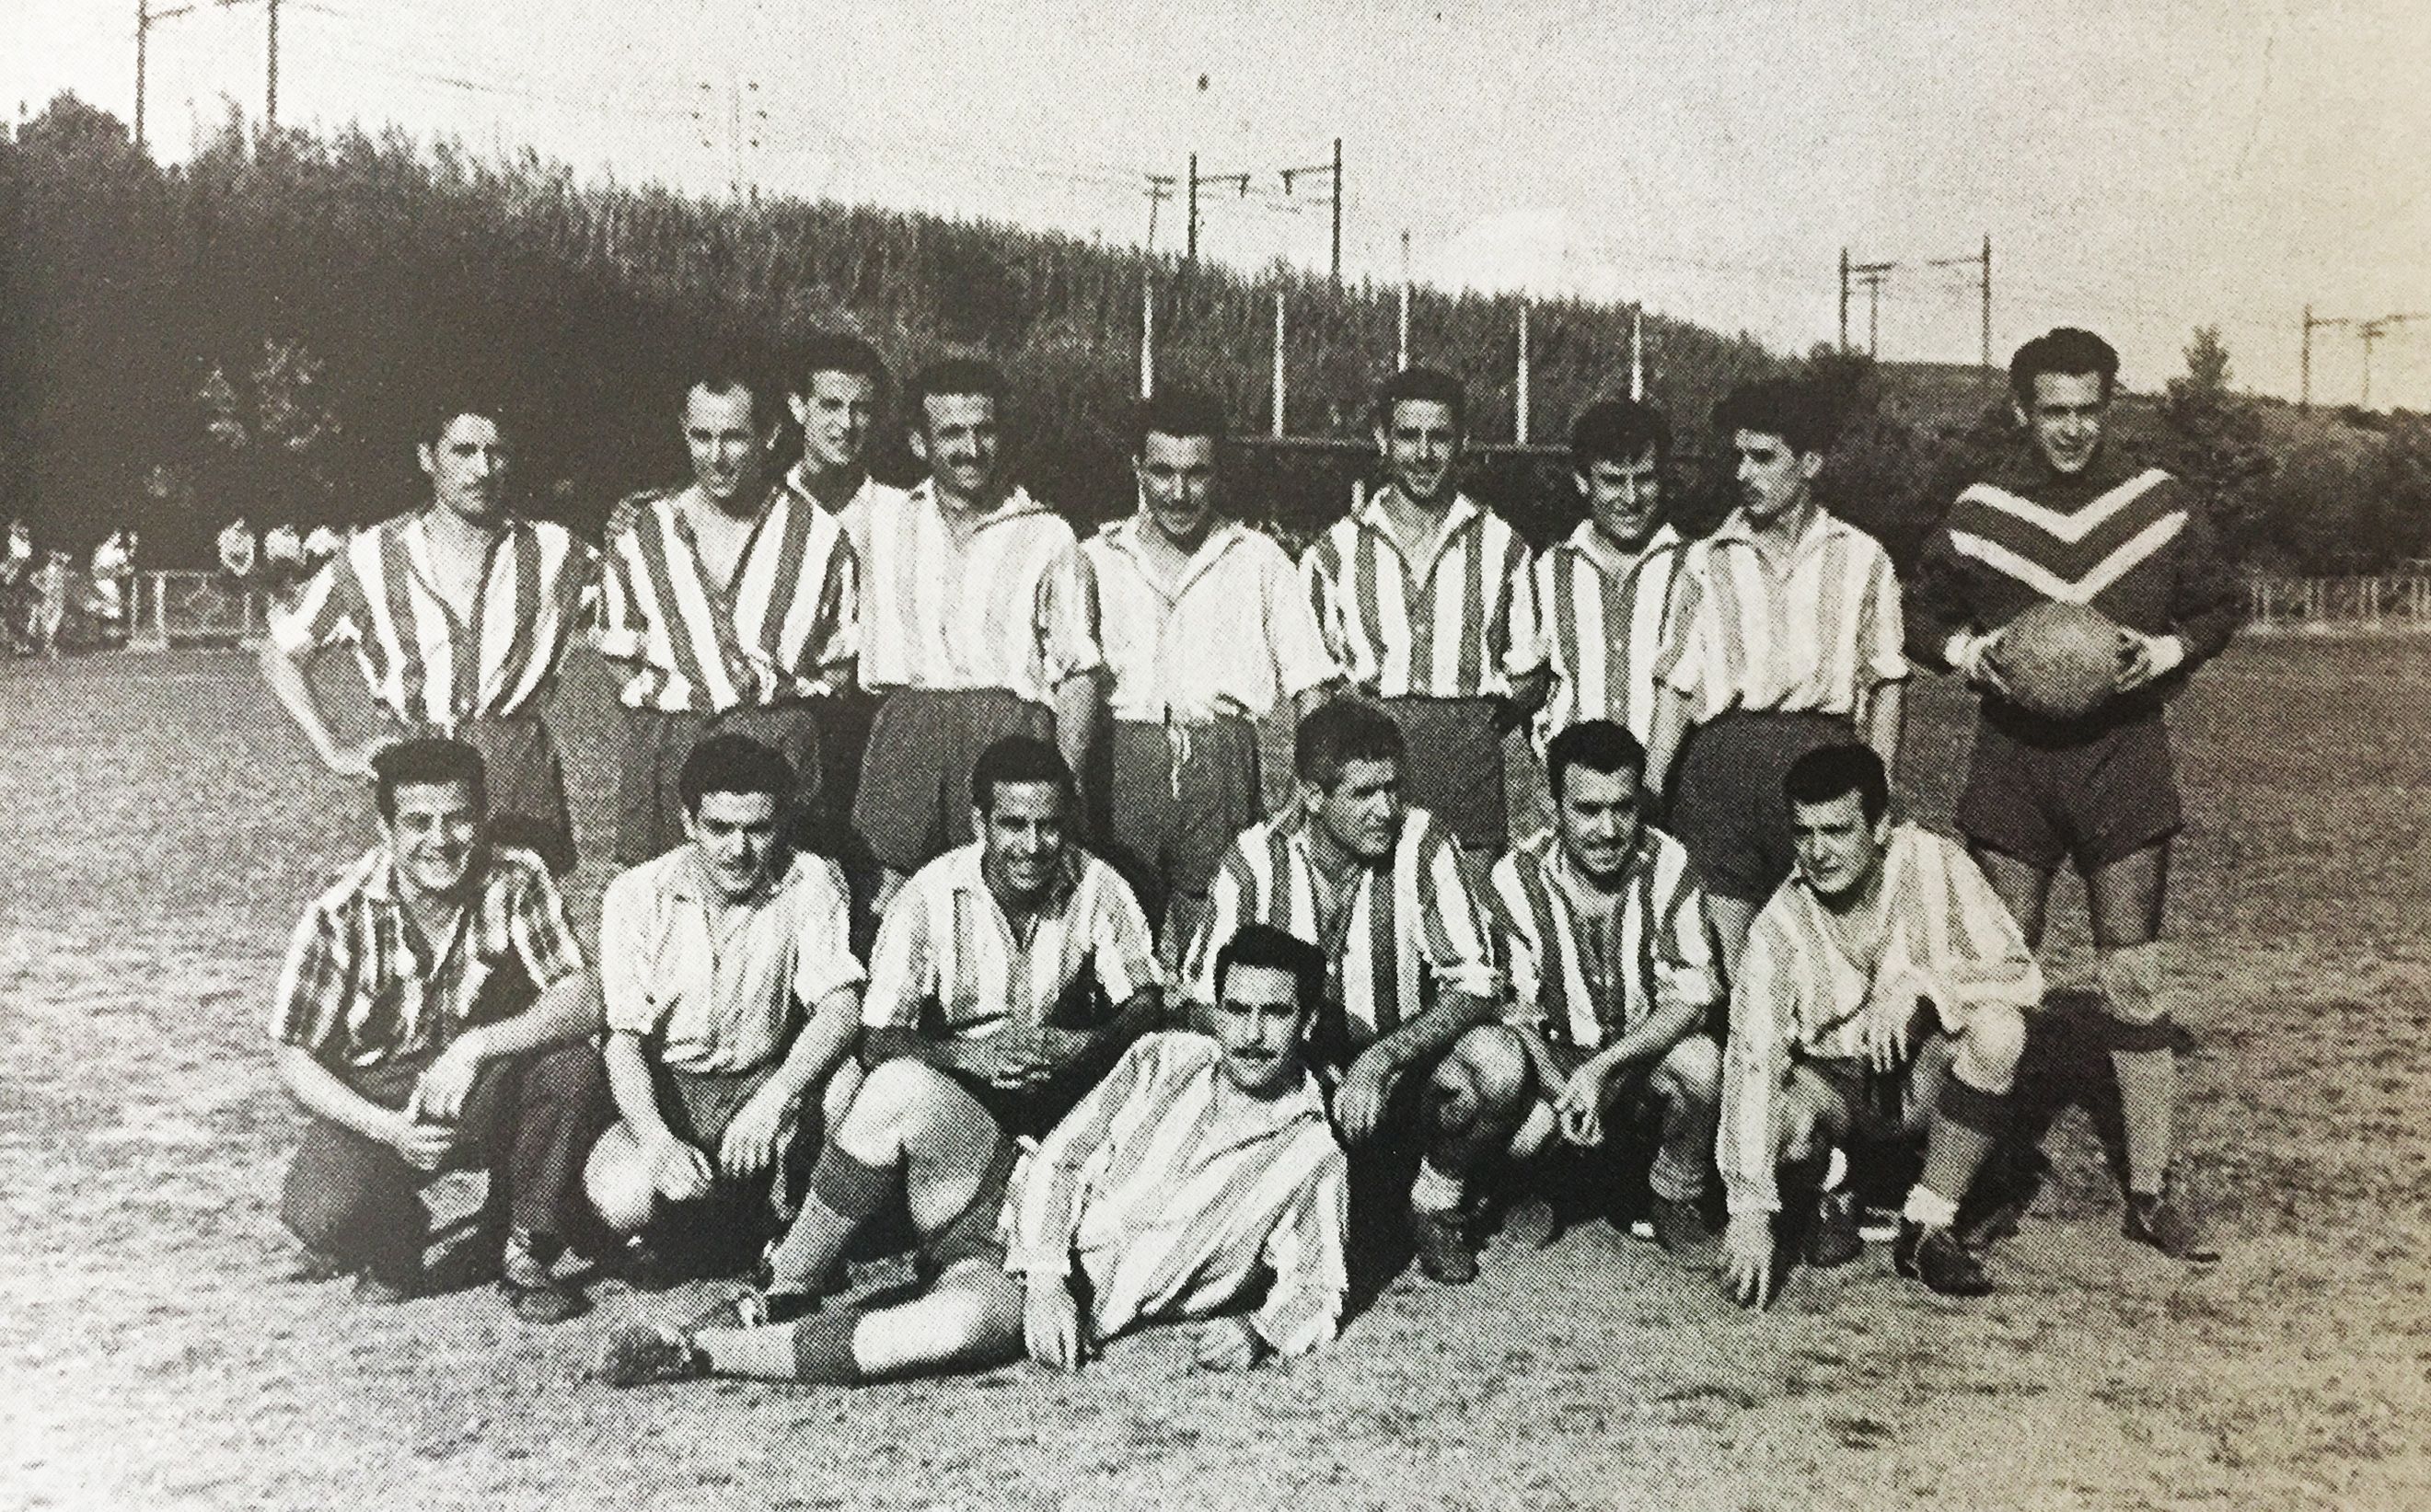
(650, 803)
(974, 1234)
(1454, 771)
(1030, 1112)
(699, 1104)
(1171, 800)
(2050, 793)
(1727, 808)
(914, 803)
(727, 1224)
(526, 782)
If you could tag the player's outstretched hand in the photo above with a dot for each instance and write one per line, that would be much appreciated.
(680, 1171)
(1747, 1259)
(1051, 1322)
(1227, 1344)
(749, 1146)
(1580, 1105)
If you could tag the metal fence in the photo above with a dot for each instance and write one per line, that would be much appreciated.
(2325, 605)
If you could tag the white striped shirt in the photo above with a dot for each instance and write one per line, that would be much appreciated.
(1462, 624)
(1235, 628)
(1604, 618)
(1002, 601)
(1947, 938)
(1818, 640)
(420, 660)
(780, 629)
(1175, 1192)
(947, 961)
(1586, 991)
(1407, 930)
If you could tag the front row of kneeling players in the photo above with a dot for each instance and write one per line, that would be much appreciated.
(436, 1011)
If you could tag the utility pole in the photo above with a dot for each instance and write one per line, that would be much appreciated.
(1160, 188)
(1289, 175)
(2368, 331)
(1519, 399)
(1239, 181)
(1279, 363)
(2305, 362)
(1401, 361)
(145, 19)
(1844, 299)
(271, 113)
(1873, 276)
(1982, 260)
(1636, 352)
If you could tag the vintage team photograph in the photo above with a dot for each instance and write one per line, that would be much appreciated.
(980, 753)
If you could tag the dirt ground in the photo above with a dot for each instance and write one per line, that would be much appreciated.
(159, 830)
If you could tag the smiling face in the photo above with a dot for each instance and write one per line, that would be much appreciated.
(721, 430)
(735, 834)
(1258, 1025)
(467, 467)
(1176, 481)
(1625, 499)
(1601, 816)
(958, 438)
(1420, 442)
(1773, 476)
(434, 836)
(1024, 834)
(2066, 419)
(836, 413)
(1839, 851)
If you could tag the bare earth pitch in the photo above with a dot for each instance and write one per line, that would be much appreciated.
(159, 830)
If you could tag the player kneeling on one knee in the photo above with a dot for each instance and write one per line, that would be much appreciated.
(1612, 974)
(1883, 981)
(1091, 1236)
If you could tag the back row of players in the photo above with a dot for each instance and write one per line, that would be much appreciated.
(436, 1008)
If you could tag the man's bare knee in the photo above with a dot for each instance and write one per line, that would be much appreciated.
(1691, 1071)
(897, 1100)
(1993, 1044)
(1494, 1064)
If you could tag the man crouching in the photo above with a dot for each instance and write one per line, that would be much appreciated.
(1202, 1162)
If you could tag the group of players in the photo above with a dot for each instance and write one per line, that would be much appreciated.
(934, 720)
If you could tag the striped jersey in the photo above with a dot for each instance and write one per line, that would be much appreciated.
(426, 660)
(948, 962)
(1403, 932)
(1604, 619)
(2139, 547)
(1001, 601)
(1817, 640)
(1175, 1193)
(1947, 940)
(1234, 630)
(362, 988)
(1459, 623)
(1584, 980)
(780, 629)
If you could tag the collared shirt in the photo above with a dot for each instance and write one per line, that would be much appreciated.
(1175, 1192)
(781, 628)
(1946, 938)
(421, 659)
(1402, 933)
(361, 987)
(721, 987)
(1588, 981)
(1460, 624)
(1603, 620)
(948, 962)
(1235, 628)
(1004, 601)
(1818, 639)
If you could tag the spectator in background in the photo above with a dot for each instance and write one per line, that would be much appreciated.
(239, 555)
(16, 585)
(110, 591)
(282, 561)
(50, 603)
(321, 548)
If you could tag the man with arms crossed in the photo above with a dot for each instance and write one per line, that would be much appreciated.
(733, 1003)
(1205, 630)
(460, 616)
(1786, 636)
(1613, 980)
(730, 606)
(1202, 1163)
(1426, 603)
(1009, 974)
(1885, 990)
(2068, 520)
(1410, 969)
(435, 1011)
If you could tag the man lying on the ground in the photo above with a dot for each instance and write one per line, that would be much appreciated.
(1017, 967)
(1200, 1164)
(734, 1002)
(434, 1013)
(1885, 991)
(1409, 962)
(1613, 980)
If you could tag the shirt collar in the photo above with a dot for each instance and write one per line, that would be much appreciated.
(1456, 518)
(1737, 528)
(1015, 505)
(1123, 537)
(689, 880)
(968, 875)
(1589, 542)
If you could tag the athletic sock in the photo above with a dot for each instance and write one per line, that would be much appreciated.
(771, 1354)
(822, 1346)
(1966, 1120)
(1836, 1170)
(1435, 1193)
(844, 1192)
(2145, 1059)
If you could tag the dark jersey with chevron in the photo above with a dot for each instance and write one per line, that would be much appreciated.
(2136, 545)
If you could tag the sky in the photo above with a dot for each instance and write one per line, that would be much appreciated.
(2142, 169)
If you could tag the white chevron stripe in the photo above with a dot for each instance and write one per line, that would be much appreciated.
(2132, 554)
(2070, 528)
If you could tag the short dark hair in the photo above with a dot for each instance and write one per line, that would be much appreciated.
(2069, 350)
(956, 375)
(1829, 772)
(838, 352)
(444, 408)
(1176, 412)
(428, 761)
(1020, 758)
(1430, 384)
(1618, 430)
(1339, 732)
(1262, 944)
(728, 375)
(1599, 745)
(733, 763)
(1791, 408)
